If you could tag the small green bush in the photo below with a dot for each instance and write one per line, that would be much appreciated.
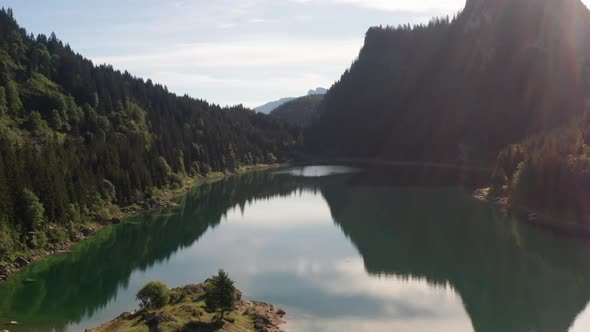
(155, 294)
(7, 244)
(176, 181)
(57, 235)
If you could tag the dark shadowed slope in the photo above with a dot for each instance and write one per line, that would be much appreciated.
(301, 111)
(463, 88)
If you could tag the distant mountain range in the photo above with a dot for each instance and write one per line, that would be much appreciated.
(271, 106)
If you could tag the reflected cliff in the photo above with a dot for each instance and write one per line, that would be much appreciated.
(511, 277)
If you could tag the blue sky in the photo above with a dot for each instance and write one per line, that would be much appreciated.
(224, 51)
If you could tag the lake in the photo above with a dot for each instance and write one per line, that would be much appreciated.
(338, 248)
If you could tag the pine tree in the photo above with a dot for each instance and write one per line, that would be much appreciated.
(220, 293)
(15, 105)
(33, 212)
(3, 101)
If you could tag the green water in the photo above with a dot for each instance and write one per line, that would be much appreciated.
(339, 249)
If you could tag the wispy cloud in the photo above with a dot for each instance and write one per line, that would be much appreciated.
(225, 51)
(257, 20)
(226, 25)
(272, 66)
(405, 5)
(254, 51)
(396, 5)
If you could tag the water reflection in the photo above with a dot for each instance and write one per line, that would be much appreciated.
(412, 258)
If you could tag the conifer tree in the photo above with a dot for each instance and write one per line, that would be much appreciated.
(220, 293)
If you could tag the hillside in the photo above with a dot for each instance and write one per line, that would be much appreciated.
(78, 140)
(271, 106)
(301, 111)
(462, 88)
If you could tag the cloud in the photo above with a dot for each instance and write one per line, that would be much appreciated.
(258, 67)
(405, 5)
(226, 25)
(422, 6)
(256, 51)
(256, 20)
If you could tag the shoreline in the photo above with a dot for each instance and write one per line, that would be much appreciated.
(164, 201)
(389, 163)
(533, 217)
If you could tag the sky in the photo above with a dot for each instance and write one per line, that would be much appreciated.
(227, 52)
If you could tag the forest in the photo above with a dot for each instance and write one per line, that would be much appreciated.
(548, 173)
(359, 112)
(78, 140)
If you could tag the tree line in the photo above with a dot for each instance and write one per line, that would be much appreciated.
(549, 172)
(77, 140)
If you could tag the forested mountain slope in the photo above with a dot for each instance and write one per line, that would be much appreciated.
(271, 106)
(76, 138)
(461, 89)
(301, 111)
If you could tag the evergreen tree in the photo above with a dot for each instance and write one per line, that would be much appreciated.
(163, 170)
(32, 211)
(14, 103)
(220, 293)
(3, 101)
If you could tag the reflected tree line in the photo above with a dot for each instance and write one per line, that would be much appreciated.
(510, 277)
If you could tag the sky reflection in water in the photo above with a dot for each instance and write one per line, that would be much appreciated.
(334, 249)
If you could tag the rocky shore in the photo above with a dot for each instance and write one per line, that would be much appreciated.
(537, 218)
(188, 312)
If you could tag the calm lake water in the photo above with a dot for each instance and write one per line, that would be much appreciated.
(341, 249)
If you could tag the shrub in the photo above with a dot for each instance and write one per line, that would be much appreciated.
(176, 181)
(6, 240)
(154, 294)
(57, 235)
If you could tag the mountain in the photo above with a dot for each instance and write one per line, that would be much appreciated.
(317, 91)
(269, 107)
(505, 85)
(79, 140)
(300, 111)
(462, 88)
